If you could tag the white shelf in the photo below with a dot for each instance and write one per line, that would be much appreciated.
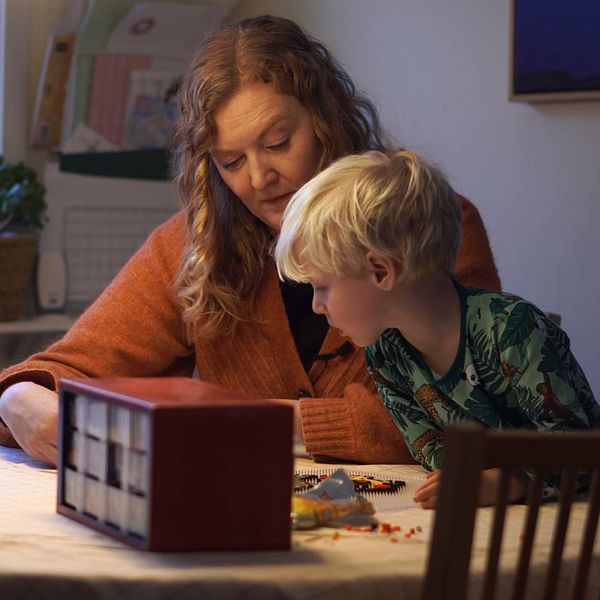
(42, 324)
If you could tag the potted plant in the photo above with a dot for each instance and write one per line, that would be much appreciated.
(22, 208)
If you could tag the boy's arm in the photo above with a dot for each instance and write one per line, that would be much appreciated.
(428, 494)
(423, 438)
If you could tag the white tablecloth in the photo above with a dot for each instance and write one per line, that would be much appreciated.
(45, 555)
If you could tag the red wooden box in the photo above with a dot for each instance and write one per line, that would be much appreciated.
(174, 464)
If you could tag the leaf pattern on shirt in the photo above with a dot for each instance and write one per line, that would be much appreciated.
(519, 325)
(517, 371)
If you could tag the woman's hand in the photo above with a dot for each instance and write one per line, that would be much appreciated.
(427, 495)
(30, 411)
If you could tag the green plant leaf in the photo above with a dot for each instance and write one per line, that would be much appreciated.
(22, 203)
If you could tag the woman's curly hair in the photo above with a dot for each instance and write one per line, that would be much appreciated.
(227, 245)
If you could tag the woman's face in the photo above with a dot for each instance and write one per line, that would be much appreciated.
(265, 149)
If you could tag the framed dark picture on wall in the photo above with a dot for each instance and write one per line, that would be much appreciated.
(555, 50)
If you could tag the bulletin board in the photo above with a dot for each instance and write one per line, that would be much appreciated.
(122, 102)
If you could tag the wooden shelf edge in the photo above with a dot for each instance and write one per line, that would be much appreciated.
(41, 324)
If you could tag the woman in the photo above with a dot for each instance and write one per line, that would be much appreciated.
(264, 108)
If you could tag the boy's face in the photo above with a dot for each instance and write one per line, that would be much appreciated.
(354, 305)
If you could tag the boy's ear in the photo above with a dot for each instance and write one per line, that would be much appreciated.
(384, 271)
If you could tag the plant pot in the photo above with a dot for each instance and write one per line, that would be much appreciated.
(17, 260)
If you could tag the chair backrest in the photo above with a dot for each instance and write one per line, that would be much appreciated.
(469, 448)
(554, 317)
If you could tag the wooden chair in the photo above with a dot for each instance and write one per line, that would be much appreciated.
(469, 448)
(555, 317)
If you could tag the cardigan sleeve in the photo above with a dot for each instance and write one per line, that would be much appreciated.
(134, 328)
(355, 428)
(475, 266)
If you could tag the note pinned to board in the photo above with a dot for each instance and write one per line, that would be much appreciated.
(109, 93)
(152, 109)
(165, 29)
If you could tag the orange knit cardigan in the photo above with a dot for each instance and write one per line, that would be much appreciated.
(135, 329)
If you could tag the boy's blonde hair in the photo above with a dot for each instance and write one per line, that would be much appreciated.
(393, 203)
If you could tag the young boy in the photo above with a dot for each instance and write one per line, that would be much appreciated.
(377, 236)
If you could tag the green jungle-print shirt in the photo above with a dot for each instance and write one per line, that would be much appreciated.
(513, 369)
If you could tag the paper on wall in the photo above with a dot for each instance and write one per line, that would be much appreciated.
(152, 109)
(85, 139)
(109, 92)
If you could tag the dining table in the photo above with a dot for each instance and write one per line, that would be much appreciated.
(44, 555)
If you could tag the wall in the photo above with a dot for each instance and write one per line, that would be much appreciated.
(27, 25)
(15, 64)
(438, 71)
